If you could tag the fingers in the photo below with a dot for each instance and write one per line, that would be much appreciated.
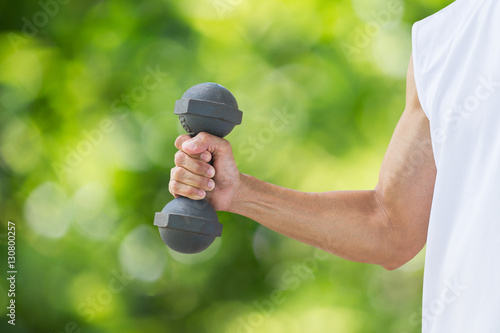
(188, 178)
(192, 175)
(180, 140)
(187, 184)
(182, 190)
(195, 165)
(204, 142)
(205, 156)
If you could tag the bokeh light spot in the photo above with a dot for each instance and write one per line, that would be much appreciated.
(392, 49)
(47, 210)
(96, 212)
(157, 137)
(142, 255)
(21, 146)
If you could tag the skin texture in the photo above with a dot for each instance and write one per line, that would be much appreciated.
(385, 226)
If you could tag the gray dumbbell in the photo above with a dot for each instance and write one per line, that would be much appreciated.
(185, 225)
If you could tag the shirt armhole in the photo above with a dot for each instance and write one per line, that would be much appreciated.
(416, 70)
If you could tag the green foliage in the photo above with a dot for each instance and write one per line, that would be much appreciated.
(87, 91)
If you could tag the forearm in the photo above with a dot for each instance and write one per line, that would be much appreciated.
(349, 224)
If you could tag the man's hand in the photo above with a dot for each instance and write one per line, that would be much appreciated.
(194, 178)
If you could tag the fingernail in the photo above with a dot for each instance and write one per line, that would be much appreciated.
(189, 144)
(205, 156)
(211, 172)
(201, 193)
(211, 184)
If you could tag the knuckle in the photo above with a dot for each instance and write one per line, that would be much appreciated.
(200, 167)
(178, 141)
(179, 157)
(193, 192)
(175, 186)
(180, 173)
(226, 145)
(199, 182)
(203, 137)
(177, 173)
(171, 188)
(194, 165)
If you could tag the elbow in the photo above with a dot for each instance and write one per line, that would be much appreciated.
(403, 238)
(401, 244)
(401, 253)
(390, 266)
(394, 262)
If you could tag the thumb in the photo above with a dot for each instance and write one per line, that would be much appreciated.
(192, 147)
(203, 142)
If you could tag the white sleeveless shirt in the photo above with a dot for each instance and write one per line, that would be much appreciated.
(456, 56)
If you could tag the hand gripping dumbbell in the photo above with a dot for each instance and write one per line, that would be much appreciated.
(185, 225)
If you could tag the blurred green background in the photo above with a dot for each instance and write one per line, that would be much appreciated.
(87, 91)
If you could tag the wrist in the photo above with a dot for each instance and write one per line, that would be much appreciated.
(241, 195)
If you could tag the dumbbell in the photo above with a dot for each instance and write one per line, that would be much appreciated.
(185, 225)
